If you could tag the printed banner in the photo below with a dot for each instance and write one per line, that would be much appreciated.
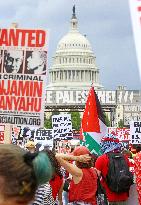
(135, 9)
(23, 69)
(62, 127)
(135, 132)
(106, 97)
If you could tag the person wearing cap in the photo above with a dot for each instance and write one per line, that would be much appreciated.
(30, 146)
(110, 144)
(83, 185)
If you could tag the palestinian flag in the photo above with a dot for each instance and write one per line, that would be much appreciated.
(93, 126)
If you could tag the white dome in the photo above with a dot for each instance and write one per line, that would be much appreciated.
(74, 62)
(74, 40)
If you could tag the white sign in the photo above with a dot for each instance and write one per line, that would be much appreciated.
(62, 127)
(44, 137)
(135, 132)
(78, 97)
(123, 134)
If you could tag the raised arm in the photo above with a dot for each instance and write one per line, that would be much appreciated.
(64, 159)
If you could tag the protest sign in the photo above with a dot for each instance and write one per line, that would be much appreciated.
(21, 135)
(123, 135)
(44, 137)
(23, 69)
(62, 127)
(135, 132)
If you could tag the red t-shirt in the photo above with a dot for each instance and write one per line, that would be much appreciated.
(86, 189)
(102, 165)
(56, 184)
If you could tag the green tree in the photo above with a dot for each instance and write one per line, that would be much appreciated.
(76, 120)
(48, 122)
(107, 121)
(121, 123)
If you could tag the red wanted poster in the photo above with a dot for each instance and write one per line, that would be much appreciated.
(23, 70)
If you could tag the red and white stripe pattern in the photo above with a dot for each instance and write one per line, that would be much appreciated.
(135, 9)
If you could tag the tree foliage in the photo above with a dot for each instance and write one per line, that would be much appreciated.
(107, 121)
(76, 120)
(121, 123)
(48, 122)
(75, 117)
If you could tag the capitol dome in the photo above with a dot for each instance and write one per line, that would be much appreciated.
(74, 64)
(74, 40)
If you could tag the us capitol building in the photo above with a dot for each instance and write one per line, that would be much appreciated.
(74, 64)
(73, 72)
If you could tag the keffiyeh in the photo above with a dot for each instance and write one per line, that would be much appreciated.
(109, 143)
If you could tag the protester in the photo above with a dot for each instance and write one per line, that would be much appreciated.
(138, 148)
(30, 146)
(128, 154)
(110, 145)
(51, 192)
(57, 181)
(83, 185)
(138, 174)
(20, 174)
(133, 199)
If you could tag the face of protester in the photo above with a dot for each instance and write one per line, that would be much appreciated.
(13, 61)
(34, 61)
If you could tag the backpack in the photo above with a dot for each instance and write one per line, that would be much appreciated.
(119, 178)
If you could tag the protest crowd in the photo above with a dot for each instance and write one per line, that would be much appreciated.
(33, 177)
(35, 166)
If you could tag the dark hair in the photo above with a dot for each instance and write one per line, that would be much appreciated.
(54, 162)
(138, 148)
(19, 177)
(127, 152)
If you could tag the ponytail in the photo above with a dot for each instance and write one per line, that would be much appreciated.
(42, 166)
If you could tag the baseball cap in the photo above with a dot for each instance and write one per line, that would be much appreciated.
(81, 150)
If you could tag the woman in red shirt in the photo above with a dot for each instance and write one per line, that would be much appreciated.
(83, 185)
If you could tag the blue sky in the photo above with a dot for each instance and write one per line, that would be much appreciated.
(106, 23)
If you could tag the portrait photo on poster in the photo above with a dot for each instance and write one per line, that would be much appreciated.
(13, 61)
(1, 57)
(36, 62)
